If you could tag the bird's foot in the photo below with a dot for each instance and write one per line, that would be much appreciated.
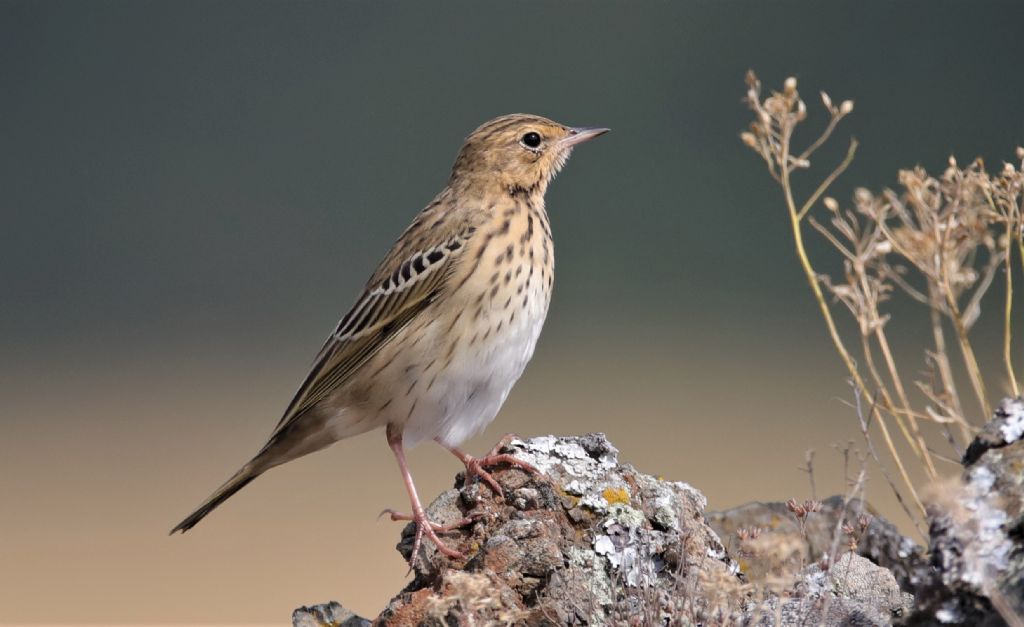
(476, 466)
(429, 529)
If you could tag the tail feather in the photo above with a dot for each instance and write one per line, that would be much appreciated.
(223, 493)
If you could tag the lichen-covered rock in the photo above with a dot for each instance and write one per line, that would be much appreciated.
(1006, 427)
(975, 530)
(592, 541)
(589, 541)
(858, 580)
(853, 591)
(327, 615)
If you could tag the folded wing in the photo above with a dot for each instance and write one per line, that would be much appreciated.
(399, 291)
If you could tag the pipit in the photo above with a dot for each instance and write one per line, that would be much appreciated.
(446, 324)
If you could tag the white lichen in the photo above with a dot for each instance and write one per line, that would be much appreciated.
(598, 582)
(628, 517)
(1012, 428)
(987, 554)
(627, 546)
(564, 456)
(949, 615)
(603, 545)
(567, 462)
(594, 502)
(574, 488)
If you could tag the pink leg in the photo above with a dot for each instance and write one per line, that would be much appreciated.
(399, 516)
(475, 466)
(423, 526)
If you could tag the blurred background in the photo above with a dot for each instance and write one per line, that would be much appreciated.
(193, 193)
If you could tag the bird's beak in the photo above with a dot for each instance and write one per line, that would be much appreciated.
(580, 135)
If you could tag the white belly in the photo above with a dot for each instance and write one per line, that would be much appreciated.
(467, 395)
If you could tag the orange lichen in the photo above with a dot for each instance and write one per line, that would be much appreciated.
(616, 496)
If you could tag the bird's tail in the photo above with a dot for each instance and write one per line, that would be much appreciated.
(238, 481)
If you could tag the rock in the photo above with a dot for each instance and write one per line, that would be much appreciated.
(327, 615)
(592, 541)
(881, 542)
(1006, 427)
(587, 542)
(858, 580)
(976, 574)
(853, 591)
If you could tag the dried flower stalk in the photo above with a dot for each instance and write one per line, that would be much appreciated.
(941, 241)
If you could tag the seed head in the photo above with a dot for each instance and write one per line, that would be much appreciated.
(801, 111)
(748, 533)
(789, 87)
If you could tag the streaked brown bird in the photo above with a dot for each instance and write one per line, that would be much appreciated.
(446, 324)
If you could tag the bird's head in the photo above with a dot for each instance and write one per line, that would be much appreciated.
(516, 154)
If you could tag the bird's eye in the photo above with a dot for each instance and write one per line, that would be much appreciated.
(531, 139)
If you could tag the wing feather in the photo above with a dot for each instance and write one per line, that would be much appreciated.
(388, 304)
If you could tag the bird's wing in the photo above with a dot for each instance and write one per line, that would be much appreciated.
(403, 286)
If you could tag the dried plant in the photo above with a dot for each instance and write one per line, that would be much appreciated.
(940, 240)
(470, 600)
(800, 512)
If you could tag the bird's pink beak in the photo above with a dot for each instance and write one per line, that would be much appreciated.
(580, 135)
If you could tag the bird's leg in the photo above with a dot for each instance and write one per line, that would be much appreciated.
(475, 465)
(419, 517)
(399, 516)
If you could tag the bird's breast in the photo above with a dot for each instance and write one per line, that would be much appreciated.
(501, 300)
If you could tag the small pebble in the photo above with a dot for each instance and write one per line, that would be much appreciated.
(470, 495)
(577, 515)
(525, 498)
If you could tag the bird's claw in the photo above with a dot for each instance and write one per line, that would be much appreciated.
(400, 516)
(430, 529)
(475, 466)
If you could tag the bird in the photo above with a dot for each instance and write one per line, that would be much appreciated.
(444, 326)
